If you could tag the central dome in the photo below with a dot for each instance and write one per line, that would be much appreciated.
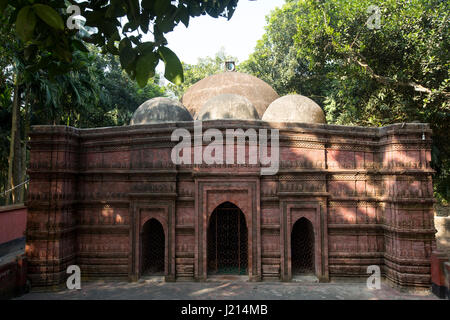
(228, 106)
(259, 93)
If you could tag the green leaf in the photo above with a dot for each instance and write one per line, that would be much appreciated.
(49, 16)
(145, 68)
(165, 24)
(231, 8)
(125, 42)
(183, 14)
(111, 45)
(145, 47)
(3, 5)
(133, 11)
(108, 28)
(147, 4)
(25, 23)
(135, 40)
(194, 9)
(63, 54)
(161, 6)
(115, 9)
(144, 21)
(126, 53)
(130, 26)
(29, 52)
(173, 67)
(77, 44)
(94, 17)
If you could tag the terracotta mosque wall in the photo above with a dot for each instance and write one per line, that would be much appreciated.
(366, 191)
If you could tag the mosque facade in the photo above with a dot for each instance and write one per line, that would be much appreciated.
(113, 202)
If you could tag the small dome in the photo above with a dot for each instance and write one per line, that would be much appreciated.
(294, 108)
(160, 110)
(228, 106)
(259, 93)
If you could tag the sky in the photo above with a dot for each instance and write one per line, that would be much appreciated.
(205, 35)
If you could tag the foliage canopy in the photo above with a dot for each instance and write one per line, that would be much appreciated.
(361, 75)
(115, 26)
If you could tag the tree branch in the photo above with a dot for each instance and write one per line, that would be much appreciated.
(389, 81)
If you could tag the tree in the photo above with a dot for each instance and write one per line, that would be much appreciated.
(96, 92)
(10, 109)
(397, 73)
(45, 51)
(366, 76)
(118, 97)
(40, 25)
(276, 59)
(48, 43)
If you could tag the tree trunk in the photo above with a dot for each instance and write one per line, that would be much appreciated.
(15, 152)
(26, 129)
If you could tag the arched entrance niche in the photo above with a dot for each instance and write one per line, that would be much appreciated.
(153, 247)
(227, 240)
(302, 247)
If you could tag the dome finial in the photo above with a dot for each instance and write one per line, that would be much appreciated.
(230, 66)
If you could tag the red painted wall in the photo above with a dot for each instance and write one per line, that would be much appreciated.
(13, 221)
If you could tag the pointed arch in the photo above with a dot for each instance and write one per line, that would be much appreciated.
(152, 248)
(227, 239)
(302, 247)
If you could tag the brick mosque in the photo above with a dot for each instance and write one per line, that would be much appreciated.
(112, 201)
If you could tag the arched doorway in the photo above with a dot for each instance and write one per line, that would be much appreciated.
(227, 241)
(302, 247)
(153, 248)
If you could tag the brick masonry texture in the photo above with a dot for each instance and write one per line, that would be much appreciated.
(366, 191)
